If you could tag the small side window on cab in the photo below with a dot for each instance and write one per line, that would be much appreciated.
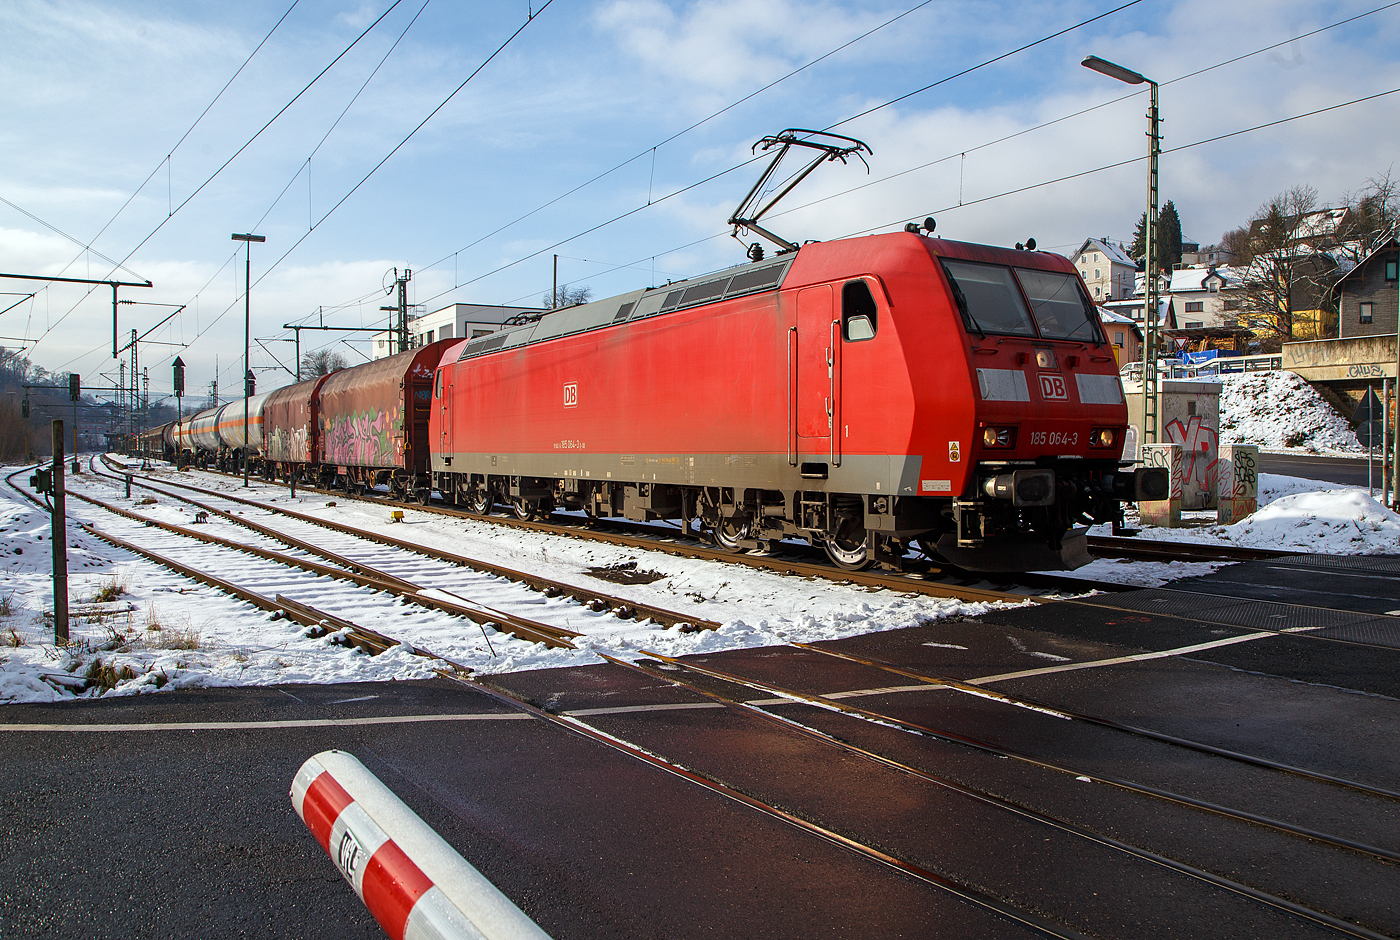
(858, 313)
(437, 386)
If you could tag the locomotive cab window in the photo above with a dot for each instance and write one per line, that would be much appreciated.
(858, 313)
(437, 386)
(1061, 309)
(988, 298)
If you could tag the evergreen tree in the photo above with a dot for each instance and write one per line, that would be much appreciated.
(1168, 238)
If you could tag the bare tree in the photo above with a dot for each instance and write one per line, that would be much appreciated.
(566, 296)
(1286, 271)
(321, 362)
(1372, 212)
(1236, 242)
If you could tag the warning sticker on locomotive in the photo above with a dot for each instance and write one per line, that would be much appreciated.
(936, 486)
(1052, 386)
(954, 452)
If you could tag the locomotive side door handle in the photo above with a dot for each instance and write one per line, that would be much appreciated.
(791, 397)
(832, 386)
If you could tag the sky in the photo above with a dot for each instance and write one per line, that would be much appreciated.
(614, 134)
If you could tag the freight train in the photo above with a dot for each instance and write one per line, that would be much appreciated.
(876, 396)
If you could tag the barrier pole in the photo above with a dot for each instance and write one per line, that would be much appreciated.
(412, 881)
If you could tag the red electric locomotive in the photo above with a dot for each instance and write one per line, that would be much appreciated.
(871, 395)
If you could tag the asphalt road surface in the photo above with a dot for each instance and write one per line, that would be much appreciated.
(118, 824)
(1348, 470)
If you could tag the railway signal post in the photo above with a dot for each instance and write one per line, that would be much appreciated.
(75, 394)
(58, 535)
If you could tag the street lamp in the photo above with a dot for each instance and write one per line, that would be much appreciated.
(247, 370)
(1150, 389)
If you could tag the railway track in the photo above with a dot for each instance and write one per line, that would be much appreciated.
(814, 819)
(597, 601)
(811, 820)
(960, 585)
(318, 622)
(676, 671)
(1175, 602)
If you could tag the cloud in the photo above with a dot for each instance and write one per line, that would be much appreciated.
(728, 44)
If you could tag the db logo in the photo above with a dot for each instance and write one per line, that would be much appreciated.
(571, 395)
(1052, 386)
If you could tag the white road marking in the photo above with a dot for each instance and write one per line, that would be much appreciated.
(258, 725)
(1135, 658)
(629, 709)
(625, 709)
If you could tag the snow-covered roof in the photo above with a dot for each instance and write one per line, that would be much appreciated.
(1115, 254)
(1388, 243)
(1185, 280)
(1109, 316)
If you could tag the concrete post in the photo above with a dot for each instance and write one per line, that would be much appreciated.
(1239, 482)
(1164, 512)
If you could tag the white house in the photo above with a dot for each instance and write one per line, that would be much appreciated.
(1106, 268)
(1206, 298)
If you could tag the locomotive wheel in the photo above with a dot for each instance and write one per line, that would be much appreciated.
(424, 495)
(730, 532)
(848, 554)
(480, 501)
(534, 510)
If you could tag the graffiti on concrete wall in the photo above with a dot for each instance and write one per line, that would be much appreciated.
(1200, 446)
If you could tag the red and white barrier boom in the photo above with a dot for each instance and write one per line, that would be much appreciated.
(413, 882)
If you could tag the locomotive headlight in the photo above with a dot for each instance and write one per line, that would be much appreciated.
(1101, 437)
(1044, 358)
(999, 437)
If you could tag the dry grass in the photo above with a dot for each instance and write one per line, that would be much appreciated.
(176, 636)
(14, 638)
(105, 676)
(110, 589)
(7, 604)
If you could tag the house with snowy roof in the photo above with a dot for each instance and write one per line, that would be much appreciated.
(1367, 295)
(1106, 268)
(1206, 298)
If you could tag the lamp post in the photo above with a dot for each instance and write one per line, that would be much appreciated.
(1150, 387)
(247, 369)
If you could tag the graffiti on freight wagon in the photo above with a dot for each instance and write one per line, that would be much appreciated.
(364, 438)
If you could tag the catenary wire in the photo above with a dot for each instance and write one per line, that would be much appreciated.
(230, 160)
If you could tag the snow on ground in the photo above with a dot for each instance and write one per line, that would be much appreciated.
(1280, 411)
(137, 628)
(1294, 514)
(154, 630)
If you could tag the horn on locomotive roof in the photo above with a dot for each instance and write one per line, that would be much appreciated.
(828, 147)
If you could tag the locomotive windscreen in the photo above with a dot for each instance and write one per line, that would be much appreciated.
(1061, 309)
(993, 304)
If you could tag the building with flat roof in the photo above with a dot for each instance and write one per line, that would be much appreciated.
(455, 321)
